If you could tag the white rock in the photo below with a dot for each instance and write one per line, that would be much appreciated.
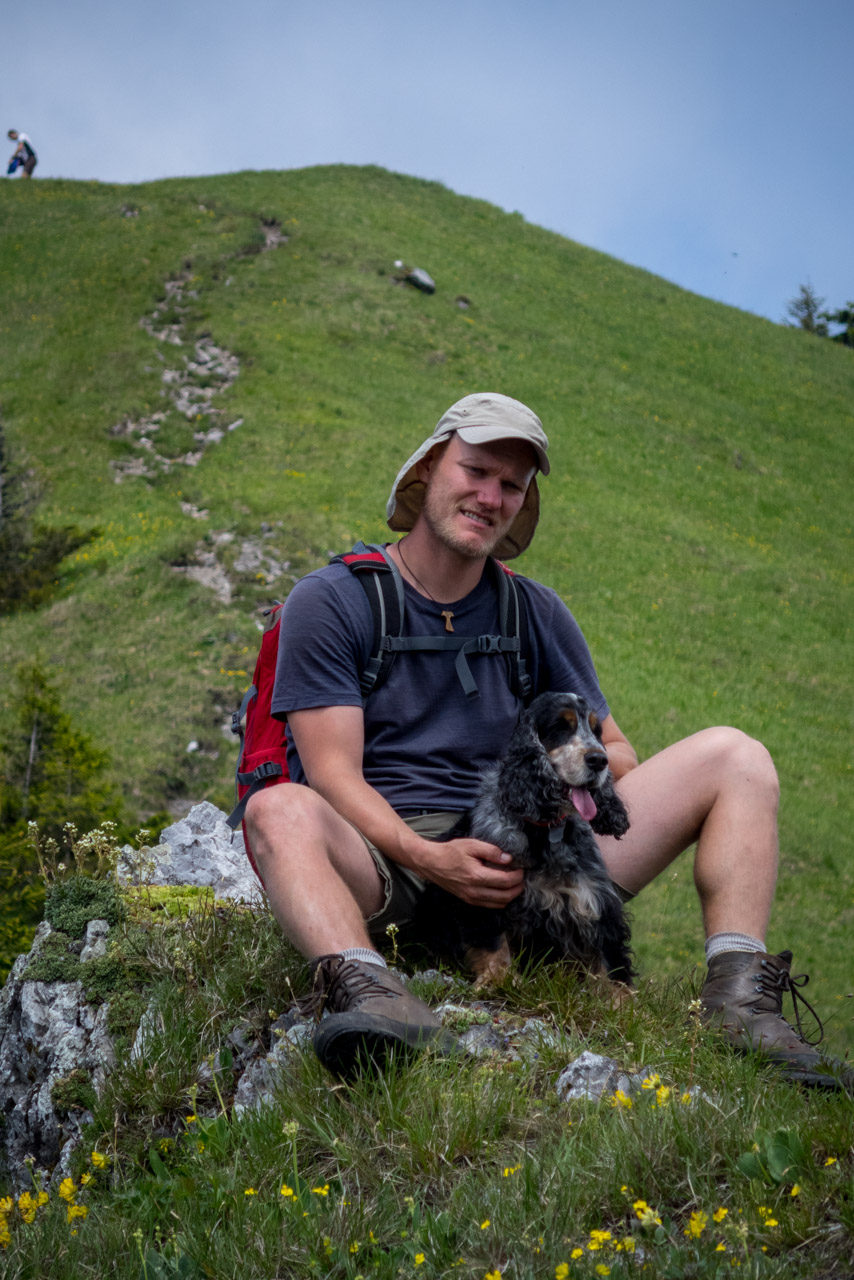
(202, 849)
(95, 944)
(590, 1076)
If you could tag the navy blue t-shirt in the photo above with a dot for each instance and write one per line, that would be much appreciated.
(426, 743)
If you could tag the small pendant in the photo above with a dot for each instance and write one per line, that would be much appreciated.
(447, 614)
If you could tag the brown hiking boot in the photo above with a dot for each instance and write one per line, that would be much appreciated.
(369, 1014)
(743, 997)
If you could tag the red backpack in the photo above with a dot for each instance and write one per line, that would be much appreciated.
(263, 755)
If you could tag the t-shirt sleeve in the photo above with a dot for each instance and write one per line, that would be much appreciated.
(567, 666)
(324, 640)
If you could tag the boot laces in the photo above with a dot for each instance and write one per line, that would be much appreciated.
(773, 981)
(350, 984)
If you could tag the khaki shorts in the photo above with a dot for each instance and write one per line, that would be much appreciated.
(403, 887)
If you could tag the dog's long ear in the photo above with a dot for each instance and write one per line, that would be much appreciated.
(611, 818)
(528, 780)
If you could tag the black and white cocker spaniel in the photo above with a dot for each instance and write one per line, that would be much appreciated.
(542, 802)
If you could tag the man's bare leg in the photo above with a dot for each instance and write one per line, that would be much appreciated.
(321, 880)
(719, 788)
(322, 884)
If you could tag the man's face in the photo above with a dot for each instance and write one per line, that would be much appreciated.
(475, 491)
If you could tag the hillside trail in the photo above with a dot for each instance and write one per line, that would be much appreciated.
(190, 385)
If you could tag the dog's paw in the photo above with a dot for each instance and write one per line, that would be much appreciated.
(488, 967)
(617, 994)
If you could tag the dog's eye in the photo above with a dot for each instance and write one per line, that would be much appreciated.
(595, 725)
(571, 719)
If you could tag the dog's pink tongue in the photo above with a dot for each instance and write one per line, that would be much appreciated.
(584, 803)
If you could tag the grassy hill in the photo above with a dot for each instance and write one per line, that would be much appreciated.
(697, 519)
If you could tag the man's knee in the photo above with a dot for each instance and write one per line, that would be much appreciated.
(740, 758)
(284, 806)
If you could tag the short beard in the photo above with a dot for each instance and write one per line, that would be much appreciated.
(449, 539)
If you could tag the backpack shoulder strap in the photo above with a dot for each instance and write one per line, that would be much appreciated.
(513, 618)
(383, 586)
(379, 576)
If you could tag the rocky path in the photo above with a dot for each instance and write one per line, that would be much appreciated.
(191, 380)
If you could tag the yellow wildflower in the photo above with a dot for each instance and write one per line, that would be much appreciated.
(796, 1190)
(7, 1204)
(685, 1099)
(628, 1244)
(576, 1254)
(85, 1179)
(620, 1099)
(562, 1271)
(484, 1224)
(76, 1211)
(720, 1248)
(720, 1214)
(662, 1095)
(321, 1191)
(830, 1160)
(287, 1191)
(419, 1258)
(652, 1082)
(250, 1191)
(696, 1224)
(602, 1270)
(100, 1161)
(67, 1189)
(646, 1215)
(27, 1206)
(493, 1275)
(508, 1172)
(354, 1248)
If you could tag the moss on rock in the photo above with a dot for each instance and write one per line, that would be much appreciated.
(175, 902)
(55, 961)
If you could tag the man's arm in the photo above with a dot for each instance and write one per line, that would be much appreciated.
(622, 757)
(330, 742)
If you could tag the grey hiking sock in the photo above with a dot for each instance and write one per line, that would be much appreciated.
(365, 955)
(720, 942)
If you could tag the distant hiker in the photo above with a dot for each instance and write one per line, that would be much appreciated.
(24, 153)
(345, 850)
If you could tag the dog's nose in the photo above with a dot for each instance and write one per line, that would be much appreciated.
(596, 760)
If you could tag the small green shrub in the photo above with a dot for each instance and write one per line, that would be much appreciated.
(70, 904)
(74, 1092)
(124, 1012)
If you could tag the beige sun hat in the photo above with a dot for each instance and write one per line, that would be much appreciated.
(479, 419)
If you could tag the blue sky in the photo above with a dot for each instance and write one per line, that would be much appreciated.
(710, 143)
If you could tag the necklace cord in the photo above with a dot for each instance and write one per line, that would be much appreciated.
(411, 572)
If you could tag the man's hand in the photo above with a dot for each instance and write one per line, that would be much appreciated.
(479, 873)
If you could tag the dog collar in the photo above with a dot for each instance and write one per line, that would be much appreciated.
(555, 822)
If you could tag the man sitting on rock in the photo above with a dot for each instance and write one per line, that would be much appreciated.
(347, 853)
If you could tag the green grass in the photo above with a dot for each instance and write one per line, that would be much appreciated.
(439, 1168)
(697, 521)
